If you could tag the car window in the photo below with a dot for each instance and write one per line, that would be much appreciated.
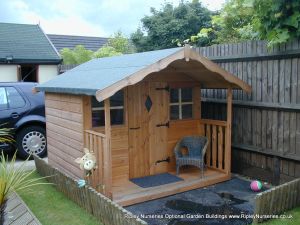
(15, 100)
(3, 99)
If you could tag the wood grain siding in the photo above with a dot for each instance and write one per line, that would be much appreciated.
(179, 129)
(119, 149)
(64, 117)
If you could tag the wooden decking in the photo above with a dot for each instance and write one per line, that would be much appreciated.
(127, 193)
(17, 213)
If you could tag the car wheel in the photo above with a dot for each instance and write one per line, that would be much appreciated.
(31, 140)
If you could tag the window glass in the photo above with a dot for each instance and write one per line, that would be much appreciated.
(116, 116)
(174, 112)
(187, 111)
(14, 98)
(116, 110)
(174, 97)
(186, 95)
(96, 104)
(98, 118)
(181, 103)
(3, 99)
(117, 99)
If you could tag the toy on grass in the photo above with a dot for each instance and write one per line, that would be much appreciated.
(256, 185)
(87, 162)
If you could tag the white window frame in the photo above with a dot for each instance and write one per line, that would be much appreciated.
(180, 103)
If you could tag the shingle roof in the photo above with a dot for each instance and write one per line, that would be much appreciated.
(98, 74)
(70, 41)
(26, 44)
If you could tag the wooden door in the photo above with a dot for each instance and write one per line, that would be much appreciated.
(147, 139)
(138, 130)
(158, 127)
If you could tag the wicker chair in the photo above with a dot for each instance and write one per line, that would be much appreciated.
(196, 146)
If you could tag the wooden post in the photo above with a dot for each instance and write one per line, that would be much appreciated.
(107, 151)
(187, 52)
(276, 171)
(87, 116)
(228, 132)
(197, 102)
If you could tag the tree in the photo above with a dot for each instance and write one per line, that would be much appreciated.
(106, 51)
(164, 27)
(231, 24)
(276, 21)
(76, 56)
(118, 44)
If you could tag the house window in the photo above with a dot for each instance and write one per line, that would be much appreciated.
(181, 103)
(116, 110)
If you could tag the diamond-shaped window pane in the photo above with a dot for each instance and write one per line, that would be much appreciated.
(148, 103)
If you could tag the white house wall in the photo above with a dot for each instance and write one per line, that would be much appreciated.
(8, 73)
(47, 72)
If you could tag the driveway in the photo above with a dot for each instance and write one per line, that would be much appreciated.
(211, 205)
(29, 165)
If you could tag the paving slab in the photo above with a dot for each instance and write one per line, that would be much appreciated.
(215, 204)
(17, 212)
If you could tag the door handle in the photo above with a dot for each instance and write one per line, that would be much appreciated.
(14, 115)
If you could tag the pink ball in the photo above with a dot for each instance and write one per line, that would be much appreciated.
(256, 185)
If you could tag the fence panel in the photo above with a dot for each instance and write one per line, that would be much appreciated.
(277, 200)
(266, 122)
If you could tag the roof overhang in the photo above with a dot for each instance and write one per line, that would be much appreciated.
(225, 79)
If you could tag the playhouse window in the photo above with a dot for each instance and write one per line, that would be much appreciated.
(181, 103)
(116, 110)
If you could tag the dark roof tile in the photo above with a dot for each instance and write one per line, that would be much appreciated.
(70, 41)
(26, 43)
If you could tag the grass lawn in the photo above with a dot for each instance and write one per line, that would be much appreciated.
(51, 207)
(294, 221)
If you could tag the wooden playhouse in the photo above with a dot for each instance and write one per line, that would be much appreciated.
(131, 110)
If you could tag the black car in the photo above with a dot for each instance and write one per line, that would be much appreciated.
(24, 110)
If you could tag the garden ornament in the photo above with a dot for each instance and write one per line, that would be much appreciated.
(81, 183)
(87, 162)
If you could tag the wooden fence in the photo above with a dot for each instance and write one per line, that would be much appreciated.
(266, 122)
(108, 212)
(63, 68)
(277, 200)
